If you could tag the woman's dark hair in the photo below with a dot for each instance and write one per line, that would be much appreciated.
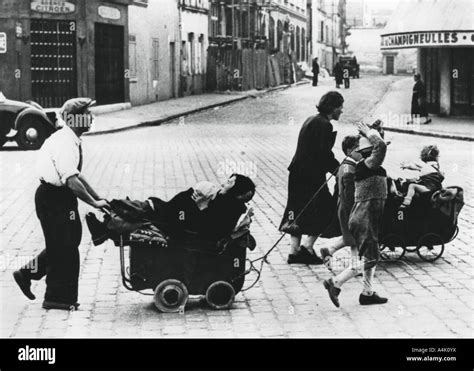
(429, 153)
(242, 186)
(329, 102)
(349, 142)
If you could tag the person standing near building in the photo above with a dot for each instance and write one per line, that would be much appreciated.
(59, 169)
(315, 71)
(418, 102)
(305, 213)
(338, 74)
(346, 75)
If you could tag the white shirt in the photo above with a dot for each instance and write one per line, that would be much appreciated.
(59, 157)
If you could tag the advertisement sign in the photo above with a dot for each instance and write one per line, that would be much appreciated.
(428, 39)
(53, 6)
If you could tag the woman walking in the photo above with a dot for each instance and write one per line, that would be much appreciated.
(312, 160)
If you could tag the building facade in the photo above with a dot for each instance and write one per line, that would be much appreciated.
(444, 39)
(53, 50)
(194, 35)
(154, 49)
(328, 31)
(287, 29)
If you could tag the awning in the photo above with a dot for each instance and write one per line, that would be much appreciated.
(430, 23)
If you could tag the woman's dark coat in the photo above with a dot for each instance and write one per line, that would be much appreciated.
(418, 100)
(312, 160)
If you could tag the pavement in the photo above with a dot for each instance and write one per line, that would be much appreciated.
(393, 108)
(126, 118)
(257, 137)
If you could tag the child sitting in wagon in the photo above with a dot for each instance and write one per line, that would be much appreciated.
(430, 178)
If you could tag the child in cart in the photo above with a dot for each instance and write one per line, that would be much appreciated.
(430, 178)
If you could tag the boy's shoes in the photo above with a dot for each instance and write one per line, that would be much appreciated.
(24, 283)
(333, 291)
(326, 257)
(304, 257)
(371, 299)
(98, 231)
(57, 305)
(427, 122)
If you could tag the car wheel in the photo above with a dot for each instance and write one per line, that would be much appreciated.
(31, 133)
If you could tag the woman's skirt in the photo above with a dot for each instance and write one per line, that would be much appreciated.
(310, 219)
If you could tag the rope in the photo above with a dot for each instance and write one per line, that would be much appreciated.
(264, 257)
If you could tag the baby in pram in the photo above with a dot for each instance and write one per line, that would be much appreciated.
(430, 178)
(206, 210)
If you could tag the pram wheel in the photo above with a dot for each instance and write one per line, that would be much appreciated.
(392, 247)
(220, 295)
(430, 247)
(170, 296)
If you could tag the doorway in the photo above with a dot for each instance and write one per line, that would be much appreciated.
(53, 62)
(109, 64)
(390, 64)
(462, 86)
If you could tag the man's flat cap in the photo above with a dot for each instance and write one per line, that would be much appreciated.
(76, 106)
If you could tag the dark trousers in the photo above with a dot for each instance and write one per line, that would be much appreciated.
(347, 83)
(56, 208)
(315, 79)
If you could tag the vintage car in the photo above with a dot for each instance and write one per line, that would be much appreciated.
(27, 123)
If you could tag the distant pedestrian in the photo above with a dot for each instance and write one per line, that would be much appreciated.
(312, 160)
(338, 74)
(315, 71)
(418, 102)
(59, 170)
(346, 75)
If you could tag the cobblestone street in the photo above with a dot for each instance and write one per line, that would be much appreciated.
(256, 137)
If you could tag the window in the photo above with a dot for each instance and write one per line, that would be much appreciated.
(184, 58)
(199, 54)
(191, 53)
(155, 51)
(132, 49)
(321, 31)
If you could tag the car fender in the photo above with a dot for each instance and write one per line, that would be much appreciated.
(34, 112)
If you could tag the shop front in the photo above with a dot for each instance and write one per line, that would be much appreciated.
(444, 37)
(56, 50)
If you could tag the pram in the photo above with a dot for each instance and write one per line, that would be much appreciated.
(424, 227)
(188, 265)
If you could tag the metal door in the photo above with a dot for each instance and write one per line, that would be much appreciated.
(53, 62)
(109, 64)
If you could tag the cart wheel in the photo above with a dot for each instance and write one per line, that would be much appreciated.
(170, 296)
(220, 295)
(392, 247)
(430, 247)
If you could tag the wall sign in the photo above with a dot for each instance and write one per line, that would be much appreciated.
(52, 6)
(108, 12)
(419, 39)
(3, 42)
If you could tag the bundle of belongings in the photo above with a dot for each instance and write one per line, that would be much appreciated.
(205, 211)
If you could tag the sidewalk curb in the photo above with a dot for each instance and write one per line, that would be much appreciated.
(159, 121)
(414, 132)
(428, 134)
